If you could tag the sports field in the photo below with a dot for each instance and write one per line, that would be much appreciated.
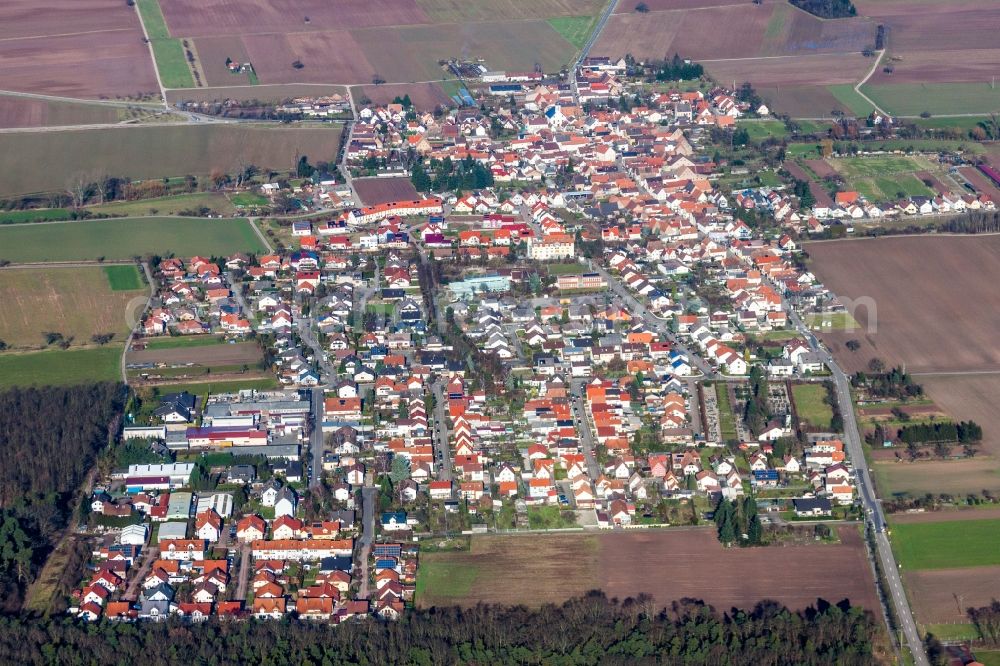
(155, 151)
(123, 238)
(59, 367)
(76, 302)
(668, 564)
(945, 545)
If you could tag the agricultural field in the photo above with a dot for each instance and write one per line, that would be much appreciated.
(310, 41)
(59, 367)
(123, 238)
(920, 286)
(947, 544)
(61, 157)
(76, 302)
(811, 405)
(373, 191)
(75, 48)
(31, 112)
(793, 58)
(943, 56)
(186, 363)
(531, 570)
(238, 90)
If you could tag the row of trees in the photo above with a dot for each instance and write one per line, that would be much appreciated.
(756, 412)
(827, 8)
(896, 383)
(738, 522)
(586, 630)
(964, 432)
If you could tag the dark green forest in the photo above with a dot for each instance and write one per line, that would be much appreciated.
(587, 630)
(49, 438)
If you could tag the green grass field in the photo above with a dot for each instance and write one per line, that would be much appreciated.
(183, 341)
(953, 632)
(875, 167)
(727, 422)
(574, 29)
(834, 321)
(123, 278)
(60, 368)
(447, 577)
(123, 238)
(168, 52)
(945, 545)
(171, 63)
(216, 202)
(845, 94)
(152, 18)
(248, 199)
(764, 129)
(38, 215)
(566, 269)
(935, 98)
(810, 402)
(988, 657)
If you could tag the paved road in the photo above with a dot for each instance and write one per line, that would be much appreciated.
(135, 326)
(240, 591)
(369, 498)
(316, 437)
(658, 324)
(442, 449)
(579, 407)
(869, 499)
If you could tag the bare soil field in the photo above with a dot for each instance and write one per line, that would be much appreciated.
(734, 31)
(23, 18)
(972, 397)
(933, 26)
(212, 54)
(277, 93)
(455, 11)
(821, 168)
(981, 182)
(109, 63)
(192, 18)
(942, 595)
(801, 101)
(819, 193)
(416, 50)
(383, 190)
(221, 354)
(669, 564)
(940, 66)
(935, 182)
(28, 112)
(425, 96)
(800, 70)
(330, 56)
(936, 306)
(76, 302)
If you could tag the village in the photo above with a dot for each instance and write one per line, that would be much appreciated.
(590, 337)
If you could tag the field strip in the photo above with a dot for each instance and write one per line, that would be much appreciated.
(80, 100)
(781, 57)
(955, 373)
(66, 34)
(66, 264)
(152, 57)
